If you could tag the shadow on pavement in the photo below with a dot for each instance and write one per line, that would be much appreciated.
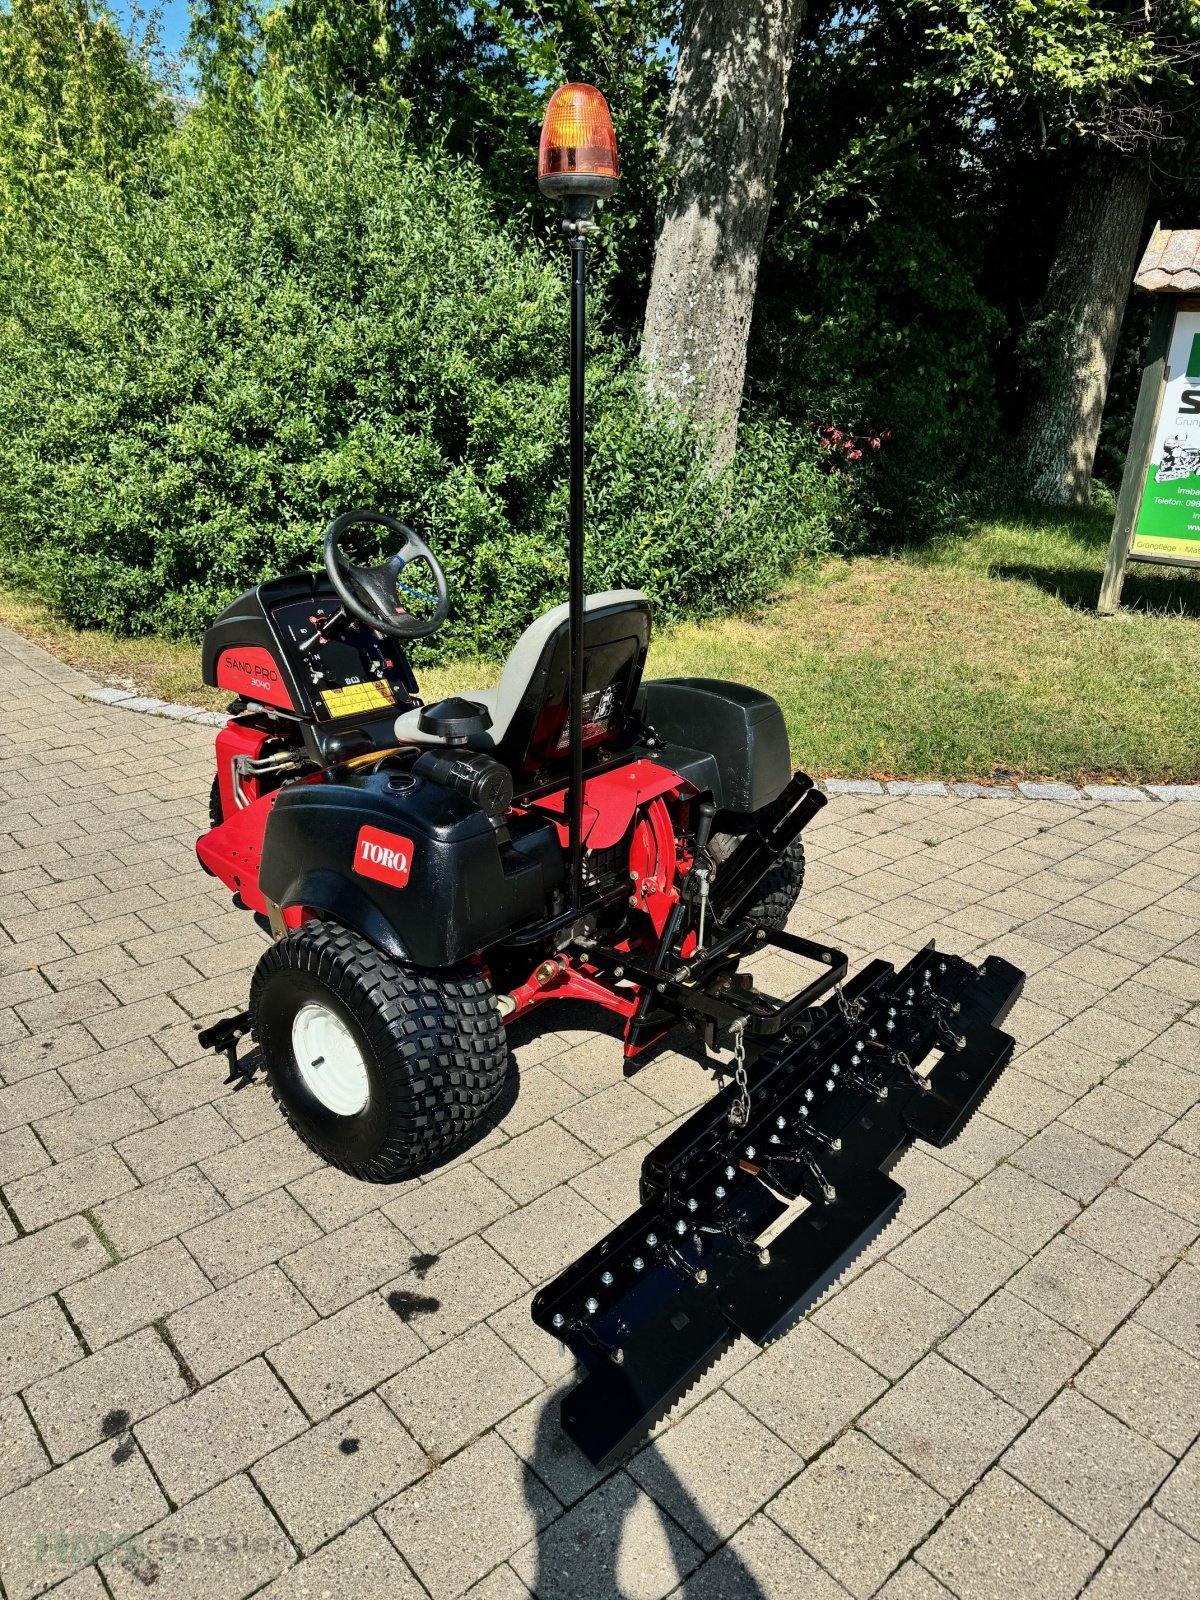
(600, 1547)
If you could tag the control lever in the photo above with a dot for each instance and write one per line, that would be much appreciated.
(325, 631)
(701, 869)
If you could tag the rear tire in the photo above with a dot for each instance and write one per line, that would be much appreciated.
(379, 1068)
(778, 892)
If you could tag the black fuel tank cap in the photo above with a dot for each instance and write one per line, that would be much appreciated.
(454, 720)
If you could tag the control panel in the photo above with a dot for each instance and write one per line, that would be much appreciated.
(356, 673)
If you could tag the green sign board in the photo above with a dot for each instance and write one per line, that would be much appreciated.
(1168, 518)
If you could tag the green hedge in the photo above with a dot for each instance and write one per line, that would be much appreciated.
(200, 368)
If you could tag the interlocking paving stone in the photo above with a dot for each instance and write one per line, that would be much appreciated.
(535, 1433)
(714, 1468)
(1169, 1177)
(1149, 1384)
(217, 1333)
(33, 1097)
(341, 1266)
(21, 1152)
(759, 1560)
(614, 1543)
(1173, 1310)
(462, 1519)
(219, 1430)
(943, 1424)
(1071, 1162)
(1085, 1292)
(534, 1162)
(99, 1397)
(34, 1342)
(1088, 1465)
(912, 1582)
(959, 1262)
(21, 1454)
(1016, 1350)
(1105, 918)
(544, 1237)
(806, 1387)
(441, 1298)
(858, 1511)
(240, 1241)
(1003, 1541)
(333, 1198)
(341, 1357)
(68, 1188)
(441, 1400)
(359, 1564)
(220, 1547)
(929, 1186)
(70, 1132)
(613, 1118)
(59, 1522)
(136, 1292)
(448, 1208)
(1117, 1119)
(886, 1318)
(249, 1169)
(45, 1261)
(1179, 1498)
(1130, 1231)
(1154, 1561)
(1017, 1208)
(333, 1473)
(159, 1211)
(981, 1145)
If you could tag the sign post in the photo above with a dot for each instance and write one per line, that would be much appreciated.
(1158, 509)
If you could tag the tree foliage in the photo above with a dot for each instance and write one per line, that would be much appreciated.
(76, 94)
(326, 278)
(282, 324)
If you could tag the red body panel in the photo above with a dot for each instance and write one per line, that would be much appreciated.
(610, 800)
(233, 851)
(252, 671)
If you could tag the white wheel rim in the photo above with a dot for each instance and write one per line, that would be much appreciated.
(329, 1060)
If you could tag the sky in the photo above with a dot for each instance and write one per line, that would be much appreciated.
(174, 20)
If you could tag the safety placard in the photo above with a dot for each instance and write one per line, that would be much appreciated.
(356, 698)
(1168, 521)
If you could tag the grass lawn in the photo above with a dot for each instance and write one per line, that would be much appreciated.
(979, 656)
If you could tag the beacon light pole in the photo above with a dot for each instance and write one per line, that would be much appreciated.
(577, 165)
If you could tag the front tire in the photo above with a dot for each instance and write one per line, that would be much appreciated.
(379, 1068)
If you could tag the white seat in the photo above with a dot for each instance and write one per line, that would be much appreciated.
(502, 701)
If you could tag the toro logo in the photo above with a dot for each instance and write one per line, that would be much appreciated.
(386, 857)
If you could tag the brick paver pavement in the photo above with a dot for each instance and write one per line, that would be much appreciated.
(273, 1380)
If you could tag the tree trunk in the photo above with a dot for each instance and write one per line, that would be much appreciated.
(720, 145)
(1078, 323)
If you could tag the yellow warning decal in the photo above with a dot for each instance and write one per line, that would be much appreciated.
(358, 697)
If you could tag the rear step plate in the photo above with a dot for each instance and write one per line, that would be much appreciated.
(749, 1214)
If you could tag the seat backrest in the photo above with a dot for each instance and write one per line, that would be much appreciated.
(529, 714)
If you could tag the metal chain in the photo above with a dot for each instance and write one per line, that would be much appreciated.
(902, 1061)
(739, 1114)
(851, 1010)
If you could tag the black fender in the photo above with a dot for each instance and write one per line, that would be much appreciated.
(333, 896)
(739, 730)
(415, 867)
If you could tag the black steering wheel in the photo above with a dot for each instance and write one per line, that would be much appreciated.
(376, 595)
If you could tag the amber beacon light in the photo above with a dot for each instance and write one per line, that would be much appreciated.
(577, 155)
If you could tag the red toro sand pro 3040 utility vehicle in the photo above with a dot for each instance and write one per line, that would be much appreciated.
(431, 872)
